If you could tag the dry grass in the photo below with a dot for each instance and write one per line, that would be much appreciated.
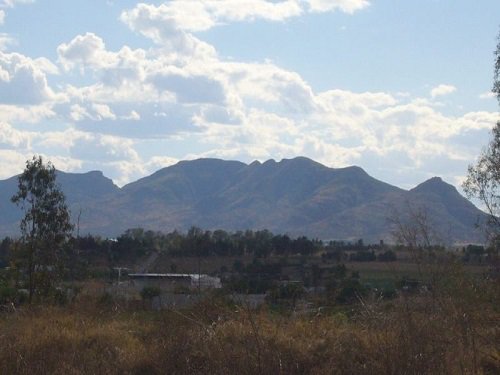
(453, 329)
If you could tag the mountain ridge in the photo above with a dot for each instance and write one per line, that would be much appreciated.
(298, 196)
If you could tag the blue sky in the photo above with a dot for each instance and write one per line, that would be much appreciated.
(400, 88)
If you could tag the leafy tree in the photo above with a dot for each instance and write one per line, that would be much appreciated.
(350, 290)
(291, 292)
(45, 227)
(496, 77)
(483, 178)
(5, 249)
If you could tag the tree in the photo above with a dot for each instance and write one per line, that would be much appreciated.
(45, 227)
(496, 76)
(483, 178)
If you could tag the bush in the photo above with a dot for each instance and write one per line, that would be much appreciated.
(149, 292)
(350, 291)
(363, 256)
(7, 294)
(387, 256)
(449, 332)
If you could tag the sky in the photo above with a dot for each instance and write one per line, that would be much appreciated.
(399, 88)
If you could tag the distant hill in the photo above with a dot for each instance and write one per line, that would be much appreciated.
(296, 196)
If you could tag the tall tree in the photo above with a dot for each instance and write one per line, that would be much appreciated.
(483, 178)
(496, 77)
(45, 227)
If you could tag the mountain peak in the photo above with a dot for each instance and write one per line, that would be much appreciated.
(298, 196)
(434, 185)
(434, 180)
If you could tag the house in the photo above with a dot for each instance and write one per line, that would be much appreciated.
(171, 282)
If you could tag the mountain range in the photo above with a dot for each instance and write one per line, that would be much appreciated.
(296, 196)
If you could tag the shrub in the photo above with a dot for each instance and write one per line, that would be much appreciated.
(149, 292)
(387, 256)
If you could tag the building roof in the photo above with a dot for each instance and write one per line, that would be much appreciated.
(166, 275)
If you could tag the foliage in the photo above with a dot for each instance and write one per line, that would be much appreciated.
(387, 256)
(414, 229)
(5, 250)
(149, 292)
(350, 291)
(289, 292)
(452, 331)
(496, 77)
(45, 227)
(246, 284)
(363, 256)
(261, 244)
(483, 178)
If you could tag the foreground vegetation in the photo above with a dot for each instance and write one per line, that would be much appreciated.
(452, 328)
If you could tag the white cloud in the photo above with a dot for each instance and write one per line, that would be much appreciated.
(158, 24)
(245, 110)
(164, 21)
(85, 50)
(181, 93)
(96, 147)
(26, 114)
(189, 88)
(5, 41)
(487, 95)
(92, 111)
(347, 6)
(158, 162)
(132, 116)
(103, 111)
(442, 90)
(7, 4)
(23, 80)
(13, 138)
(13, 162)
(13, 3)
(171, 21)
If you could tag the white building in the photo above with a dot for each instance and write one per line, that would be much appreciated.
(174, 281)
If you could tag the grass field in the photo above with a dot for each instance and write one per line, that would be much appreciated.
(451, 332)
(453, 327)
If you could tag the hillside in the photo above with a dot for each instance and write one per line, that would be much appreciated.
(296, 196)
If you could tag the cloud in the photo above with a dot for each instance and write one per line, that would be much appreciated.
(13, 162)
(86, 50)
(487, 95)
(171, 21)
(442, 90)
(158, 162)
(71, 150)
(158, 24)
(5, 41)
(13, 3)
(23, 80)
(188, 101)
(347, 6)
(96, 147)
(165, 21)
(26, 114)
(7, 4)
(12, 138)
(190, 88)
(241, 110)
